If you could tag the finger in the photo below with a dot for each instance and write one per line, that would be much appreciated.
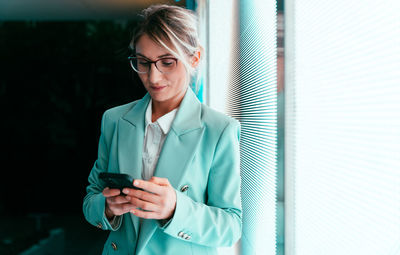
(149, 186)
(127, 207)
(117, 200)
(143, 195)
(120, 209)
(107, 192)
(146, 215)
(160, 181)
(144, 205)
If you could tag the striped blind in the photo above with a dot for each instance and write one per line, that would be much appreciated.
(252, 100)
(342, 127)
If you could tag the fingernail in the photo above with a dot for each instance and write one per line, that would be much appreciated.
(126, 191)
(128, 198)
(136, 183)
(132, 211)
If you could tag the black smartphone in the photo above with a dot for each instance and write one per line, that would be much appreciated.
(117, 181)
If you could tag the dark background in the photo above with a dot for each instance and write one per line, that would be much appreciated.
(57, 78)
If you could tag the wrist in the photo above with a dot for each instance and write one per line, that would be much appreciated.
(170, 216)
(109, 213)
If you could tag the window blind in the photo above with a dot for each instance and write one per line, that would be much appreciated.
(253, 100)
(342, 127)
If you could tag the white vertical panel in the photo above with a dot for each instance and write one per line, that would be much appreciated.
(222, 23)
(343, 127)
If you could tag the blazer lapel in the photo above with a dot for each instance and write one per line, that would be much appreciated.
(130, 144)
(178, 151)
(130, 139)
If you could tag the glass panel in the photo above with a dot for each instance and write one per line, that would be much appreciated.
(342, 127)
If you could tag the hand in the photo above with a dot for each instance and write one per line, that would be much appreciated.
(116, 204)
(158, 198)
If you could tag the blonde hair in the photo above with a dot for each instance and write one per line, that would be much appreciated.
(172, 24)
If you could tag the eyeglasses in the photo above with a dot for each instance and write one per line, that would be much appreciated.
(142, 65)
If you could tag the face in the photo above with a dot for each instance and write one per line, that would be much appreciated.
(166, 88)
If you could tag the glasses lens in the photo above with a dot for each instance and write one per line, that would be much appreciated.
(140, 65)
(166, 65)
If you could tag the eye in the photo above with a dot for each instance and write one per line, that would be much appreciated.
(142, 61)
(167, 62)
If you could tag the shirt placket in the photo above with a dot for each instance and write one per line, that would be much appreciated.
(153, 140)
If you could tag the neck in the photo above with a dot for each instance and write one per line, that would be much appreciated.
(160, 108)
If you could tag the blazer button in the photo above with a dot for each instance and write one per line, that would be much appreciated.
(114, 246)
(185, 236)
(180, 234)
(99, 225)
(184, 188)
(188, 237)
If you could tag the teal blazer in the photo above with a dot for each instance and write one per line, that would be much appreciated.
(201, 152)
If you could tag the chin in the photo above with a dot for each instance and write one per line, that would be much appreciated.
(158, 97)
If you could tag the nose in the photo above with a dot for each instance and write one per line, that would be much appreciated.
(154, 74)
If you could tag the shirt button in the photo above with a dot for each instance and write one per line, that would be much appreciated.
(99, 225)
(114, 246)
(184, 188)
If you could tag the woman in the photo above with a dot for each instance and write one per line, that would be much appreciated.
(183, 155)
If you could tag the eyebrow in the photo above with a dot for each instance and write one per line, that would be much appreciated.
(161, 56)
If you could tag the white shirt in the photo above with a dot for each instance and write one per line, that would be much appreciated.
(154, 137)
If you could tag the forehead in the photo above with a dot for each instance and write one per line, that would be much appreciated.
(149, 48)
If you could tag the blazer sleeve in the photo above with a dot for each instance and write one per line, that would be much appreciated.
(218, 222)
(94, 201)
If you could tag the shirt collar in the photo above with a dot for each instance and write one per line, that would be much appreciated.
(164, 121)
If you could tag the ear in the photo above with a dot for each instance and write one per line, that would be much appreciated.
(195, 59)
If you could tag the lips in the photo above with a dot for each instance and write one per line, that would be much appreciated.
(158, 88)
